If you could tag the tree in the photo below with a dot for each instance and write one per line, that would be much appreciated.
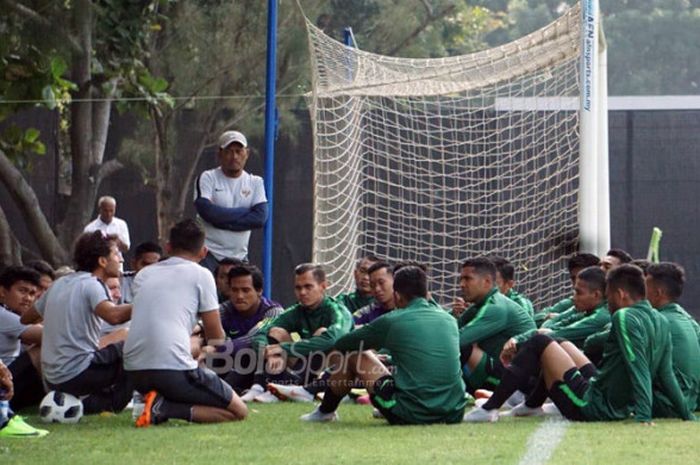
(76, 58)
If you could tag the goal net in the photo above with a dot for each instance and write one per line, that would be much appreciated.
(438, 160)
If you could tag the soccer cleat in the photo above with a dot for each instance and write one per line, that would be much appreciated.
(151, 414)
(18, 428)
(479, 415)
(290, 392)
(480, 402)
(482, 394)
(266, 398)
(254, 391)
(522, 410)
(363, 400)
(317, 415)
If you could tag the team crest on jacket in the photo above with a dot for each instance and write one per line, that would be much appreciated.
(245, 192)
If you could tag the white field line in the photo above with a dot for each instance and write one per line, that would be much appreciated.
(543, 442)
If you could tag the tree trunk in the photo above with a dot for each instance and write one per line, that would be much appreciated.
(10, 248)
(23, 194)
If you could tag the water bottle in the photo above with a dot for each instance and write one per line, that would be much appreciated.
(138, 405)
(4, 409)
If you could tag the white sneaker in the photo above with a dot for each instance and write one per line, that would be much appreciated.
(516, 399)
(316, 415)
(254, 391)
(290, 392)
(479, 415)
(480, 402)
(377, 414)
(550, 409)
(522, 410)
(266, 398)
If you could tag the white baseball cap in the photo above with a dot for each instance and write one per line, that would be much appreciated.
(229, 137)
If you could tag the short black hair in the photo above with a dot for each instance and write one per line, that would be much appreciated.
(316, 270)
(405, 263)
(378, 266)
(90, 247)
(15, 273)
(504, 267)
(594, 278)
(186, 236)
(411, 282)
(42, 267)
(629, 278)
(247, 270)
(147, 247)
(670, 276)
(582, 260)
(227, 261)
(482, 266)
(620, 254)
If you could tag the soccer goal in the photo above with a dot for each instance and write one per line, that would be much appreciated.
(502, 152)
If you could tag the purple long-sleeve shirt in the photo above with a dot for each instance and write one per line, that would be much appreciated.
(240, 329)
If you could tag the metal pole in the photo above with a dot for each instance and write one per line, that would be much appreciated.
(270, 132)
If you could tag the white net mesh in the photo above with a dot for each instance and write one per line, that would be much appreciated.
(438, 160)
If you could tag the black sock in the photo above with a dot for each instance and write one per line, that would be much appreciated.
(538, 395)
(177, 410)
(524, 366)
(511, 380)
(588, 370)
(318, 384)
(330, 402)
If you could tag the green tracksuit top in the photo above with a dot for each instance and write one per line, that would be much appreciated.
(637, 355)
(424, 344)
(574, 326)
(354, 301)
(686, 359)
(492, 322)
(522, 301)
(559, 307)
(330, 314)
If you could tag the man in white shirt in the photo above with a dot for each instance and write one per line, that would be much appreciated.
(110, 224)
(230, 202)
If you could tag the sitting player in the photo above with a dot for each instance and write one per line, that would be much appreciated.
(664, 287)
(318, 319)
(487, 324)
(426, 386)
(72, 309)
(221, 276)
(18, 288)
(614, 258)
(636, 359)
(381, 280)
(362, 295)
(588, 316)
(505, 280)
(47, 275)
(242, 316)
(169, 298)
(576, 263)
(146, 253)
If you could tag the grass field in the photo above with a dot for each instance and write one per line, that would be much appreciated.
(273, 434)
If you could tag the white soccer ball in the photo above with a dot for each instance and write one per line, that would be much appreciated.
(59, 407)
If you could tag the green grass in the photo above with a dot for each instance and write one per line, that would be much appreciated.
(273, 434)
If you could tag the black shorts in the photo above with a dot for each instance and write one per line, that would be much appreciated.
(200, 386)
(569, 395)
(29, 387)
(103, 381)
(384, 400)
